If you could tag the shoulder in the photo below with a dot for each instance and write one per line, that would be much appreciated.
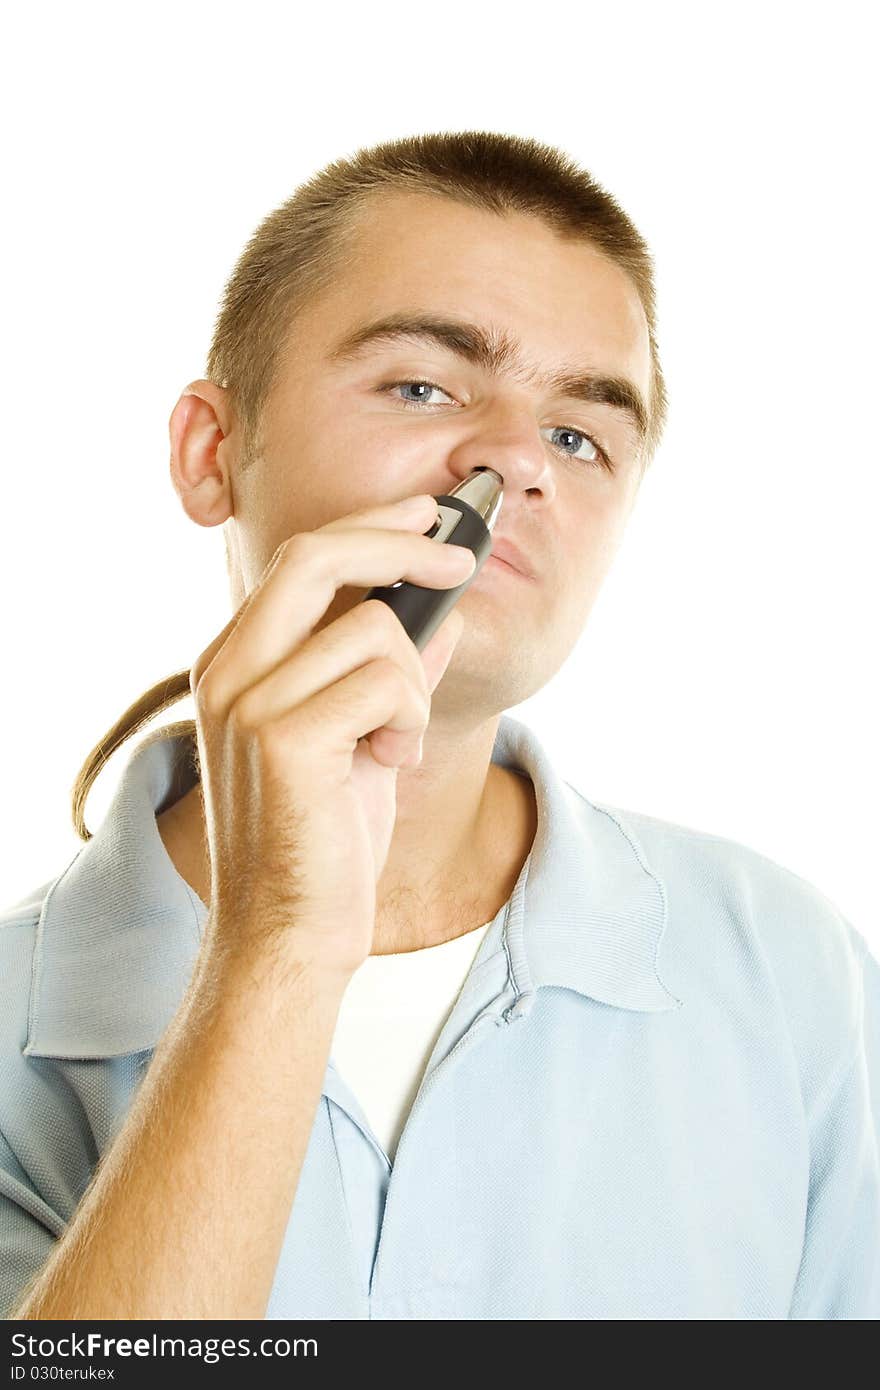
(45, 1145)
(19, 922)
(18, 938)
(26, 909)
(730, 904)
(18, 935)
(21, 1088)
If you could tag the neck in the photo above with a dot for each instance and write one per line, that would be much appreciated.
(463, 831)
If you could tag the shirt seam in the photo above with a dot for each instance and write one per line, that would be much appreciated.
(642, 861)
(352, 1245)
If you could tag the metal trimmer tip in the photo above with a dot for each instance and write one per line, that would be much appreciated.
(484, 491)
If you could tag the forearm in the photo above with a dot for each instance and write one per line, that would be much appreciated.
(186, 1212)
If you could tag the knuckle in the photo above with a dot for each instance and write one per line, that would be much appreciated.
(299, 549)
(387, 671)
(242, 718)
(390, 630)
(383, 618)
(272, 740)
(205, 697)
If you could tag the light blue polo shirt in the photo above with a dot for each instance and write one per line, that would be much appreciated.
(655, 1097)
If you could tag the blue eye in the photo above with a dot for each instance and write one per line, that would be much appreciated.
(431, 385)
(600, 458)
(598, 453)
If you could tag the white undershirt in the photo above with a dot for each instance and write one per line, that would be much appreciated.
(391, 1014)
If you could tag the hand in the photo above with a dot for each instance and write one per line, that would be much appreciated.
(301, 734)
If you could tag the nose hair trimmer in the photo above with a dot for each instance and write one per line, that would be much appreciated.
(465, 517)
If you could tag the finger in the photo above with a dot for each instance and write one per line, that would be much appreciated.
(289, 604)
(367, 632)
(325, 730)
(394, 747)
(414, 513)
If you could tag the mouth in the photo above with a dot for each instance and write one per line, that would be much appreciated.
(495, 564)
(509, 557)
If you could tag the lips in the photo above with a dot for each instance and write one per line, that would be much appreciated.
(505, 550)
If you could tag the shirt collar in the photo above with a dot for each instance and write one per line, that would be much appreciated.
(119, 930)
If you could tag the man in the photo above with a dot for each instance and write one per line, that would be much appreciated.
(679, 1132)
(341, 433)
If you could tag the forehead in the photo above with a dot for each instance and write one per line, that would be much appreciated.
(563, 299)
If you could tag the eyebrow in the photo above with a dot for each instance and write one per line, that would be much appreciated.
(495, 352)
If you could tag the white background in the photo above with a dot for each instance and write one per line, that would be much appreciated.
(726, 679)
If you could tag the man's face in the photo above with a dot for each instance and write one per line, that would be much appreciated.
(340, 436)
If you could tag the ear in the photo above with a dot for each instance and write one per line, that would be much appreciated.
(197, 428)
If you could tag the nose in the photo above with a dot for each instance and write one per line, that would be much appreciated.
(509, 442)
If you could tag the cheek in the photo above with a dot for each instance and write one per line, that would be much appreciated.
(389, 460)
(586, 553)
